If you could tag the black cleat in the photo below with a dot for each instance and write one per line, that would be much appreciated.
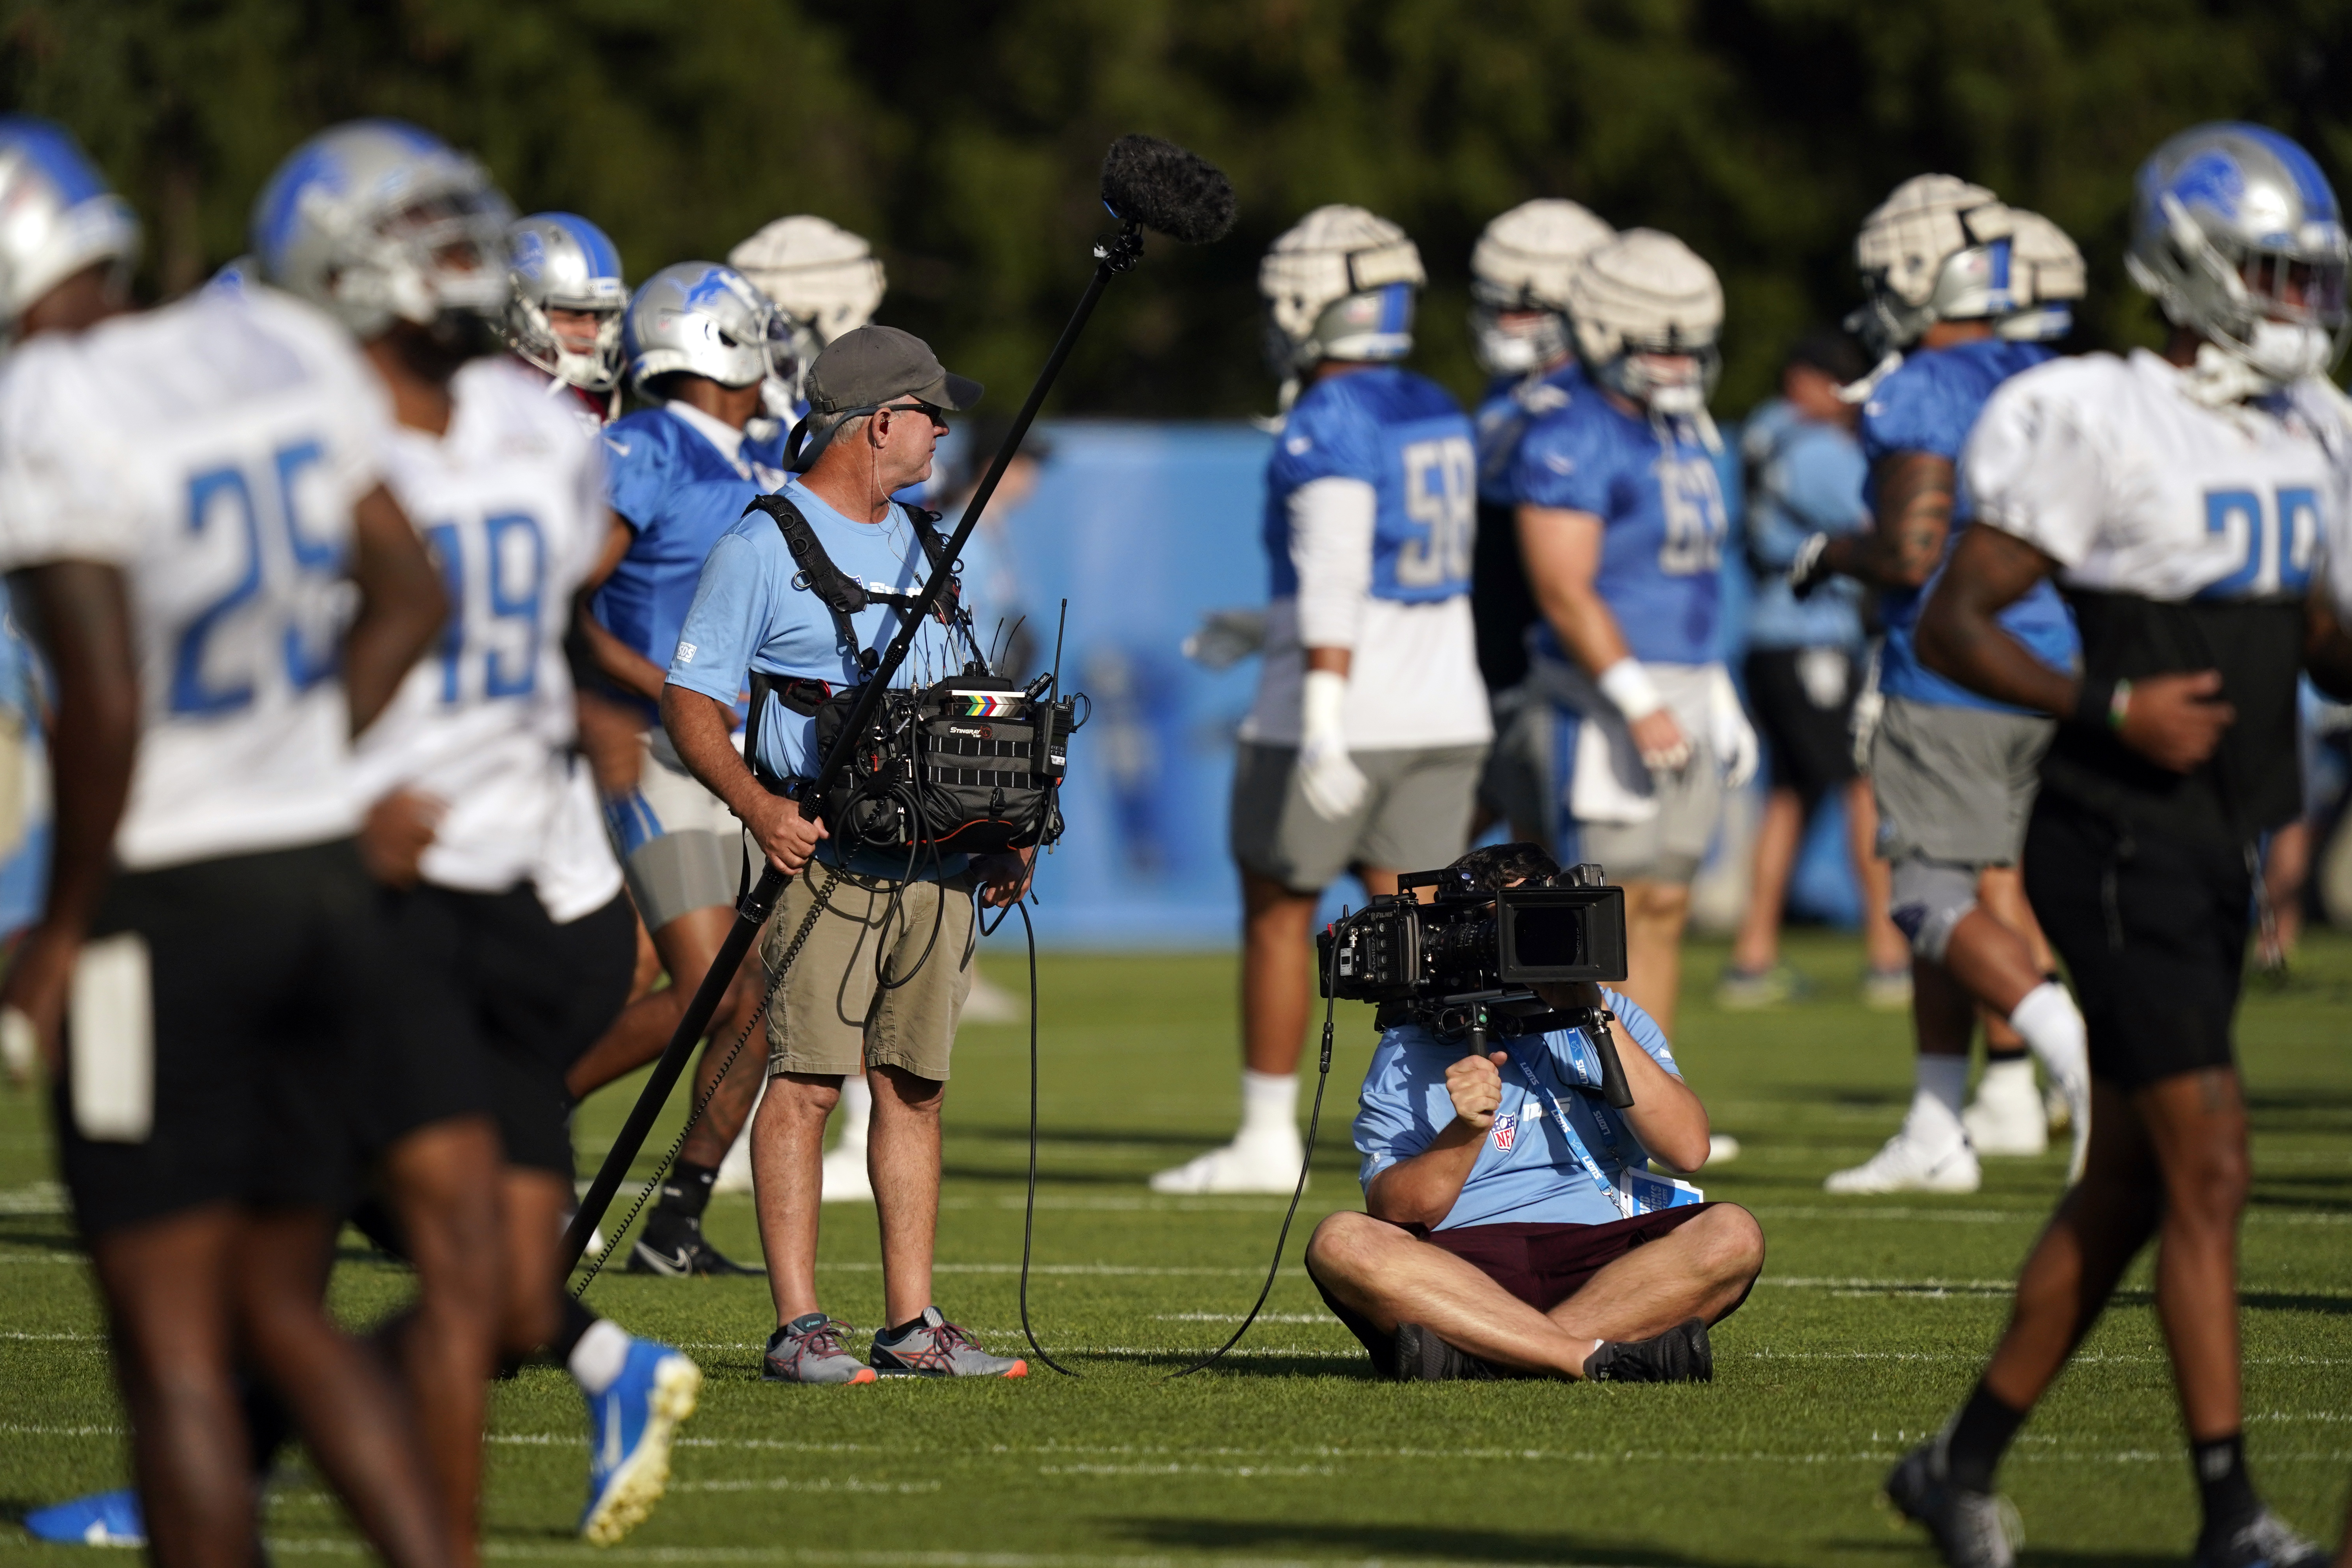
(2263, 1542)
(1423, 1357)
(1970, 1528)
(672, 1245)
(1681, 1354)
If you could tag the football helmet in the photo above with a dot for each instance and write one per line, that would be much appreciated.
(705, 320)
(1647, 312)
(826, 280)
(1930, 253)
(56, 215)
(2046, 275)
(2237, 234)
(1339, 285)
(377, 221)
(1520, 267)
(561, 261)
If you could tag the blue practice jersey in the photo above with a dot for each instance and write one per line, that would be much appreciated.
(1513, 403)
(1805, 478)
(1660, 501)
(1929, 404)
(678, 495)
(1404, 436)
(1526, 1172)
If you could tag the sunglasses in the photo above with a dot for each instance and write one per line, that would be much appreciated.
(930, 411)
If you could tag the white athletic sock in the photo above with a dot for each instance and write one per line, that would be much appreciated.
(1936, 1101)
(2054, 1031)
(856, 1109)
(599, 1356)
(1996, 1072)
(1269, 1107)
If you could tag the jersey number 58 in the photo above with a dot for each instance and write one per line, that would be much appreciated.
(1439, 496)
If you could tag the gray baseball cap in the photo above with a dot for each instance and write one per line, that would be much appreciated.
(868, 367)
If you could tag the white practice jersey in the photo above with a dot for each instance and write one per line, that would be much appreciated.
(511, 502)
(213, 450)
(2111, 469)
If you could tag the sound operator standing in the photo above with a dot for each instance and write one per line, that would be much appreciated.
(886, 969)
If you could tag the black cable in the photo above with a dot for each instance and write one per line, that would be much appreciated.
(1314, 1120)
(1029, 1209)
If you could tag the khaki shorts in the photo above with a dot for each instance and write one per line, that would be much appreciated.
(1415, 815)
(830, 1016)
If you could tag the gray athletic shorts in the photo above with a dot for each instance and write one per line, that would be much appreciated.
(1415, 815)
(1528, 780)
(681, 849)
(1955, 785)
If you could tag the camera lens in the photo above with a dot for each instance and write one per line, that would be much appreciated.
(1547, 936)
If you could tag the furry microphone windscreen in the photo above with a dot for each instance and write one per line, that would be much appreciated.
(1161, 186)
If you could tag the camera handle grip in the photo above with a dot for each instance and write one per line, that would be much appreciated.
(1613, 1087)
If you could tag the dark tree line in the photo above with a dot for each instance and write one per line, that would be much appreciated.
(963, 138)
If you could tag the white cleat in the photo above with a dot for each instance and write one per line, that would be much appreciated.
(846, 1181)
(1909, 1165)
(2007, 1120)
(2074, 1095)
(1255, 1165)
(735, 1171)
(1722, 1149)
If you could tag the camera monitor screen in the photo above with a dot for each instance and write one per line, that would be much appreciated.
(1562, 933)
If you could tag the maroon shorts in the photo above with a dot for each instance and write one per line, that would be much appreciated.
(1542, 1265)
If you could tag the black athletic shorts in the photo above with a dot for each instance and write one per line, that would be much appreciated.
(1542, 1265)
(1811, 746)
(2153, 931)
(497, 1002)
(258, 970)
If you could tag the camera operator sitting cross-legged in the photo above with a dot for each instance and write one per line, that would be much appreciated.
(1490, 1247)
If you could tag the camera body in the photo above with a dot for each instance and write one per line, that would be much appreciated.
(1472, 957)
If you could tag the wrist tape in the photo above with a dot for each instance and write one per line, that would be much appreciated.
(1629, 686)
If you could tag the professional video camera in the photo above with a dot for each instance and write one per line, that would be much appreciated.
(1466, 964)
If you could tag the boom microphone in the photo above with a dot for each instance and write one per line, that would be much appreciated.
(1146, 184)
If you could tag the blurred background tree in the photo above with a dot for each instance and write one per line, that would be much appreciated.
(963, 138)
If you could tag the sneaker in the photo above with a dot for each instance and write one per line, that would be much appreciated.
(672, 1245)
(809, 1350)
(934, 1347)
(1886, 990)
(1682, 1355)
(630, 1427)
(1747, 990)
(1423, 1357)
(846, 1181)
(1906, 1163)
(2265, 1541)
(1970, 1528)
(1244, 1165)
(101, 1519)
(1722, 1149)
(2006, 1119)
(2073, 1097)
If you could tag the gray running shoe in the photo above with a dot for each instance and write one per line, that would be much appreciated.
(1423, 1357)
(934, 1347)
(1682, 1355)
(1970, 1528)
(2265, 1541)
(809, 1350)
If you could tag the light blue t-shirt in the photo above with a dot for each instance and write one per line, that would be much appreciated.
(1661, 504)
(747, 615)
(1808, 479)
(1524, 1172)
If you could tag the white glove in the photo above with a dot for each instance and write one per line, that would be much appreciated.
(1734, 737)
(1333, 784)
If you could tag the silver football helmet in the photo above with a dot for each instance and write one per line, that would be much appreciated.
(1520, 268)
(561, 261)
(704, 320)
(1929, 253)
(1339, 285)
(377, 221)
(56, 215)
(826, 280)
(1648, 311)
(2237, 234)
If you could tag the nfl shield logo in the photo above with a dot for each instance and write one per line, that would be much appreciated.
(1506, 1131)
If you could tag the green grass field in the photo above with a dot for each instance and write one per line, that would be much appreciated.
(1871, 1321)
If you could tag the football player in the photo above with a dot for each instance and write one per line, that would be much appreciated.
(190, 506)
(1363, 748)
(1965, 292)
(509, 923)
(1631, 731)
(702, 342)
(565, 299)
(2186, 500)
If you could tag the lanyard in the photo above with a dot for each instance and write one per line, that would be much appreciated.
(1616, 1196)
